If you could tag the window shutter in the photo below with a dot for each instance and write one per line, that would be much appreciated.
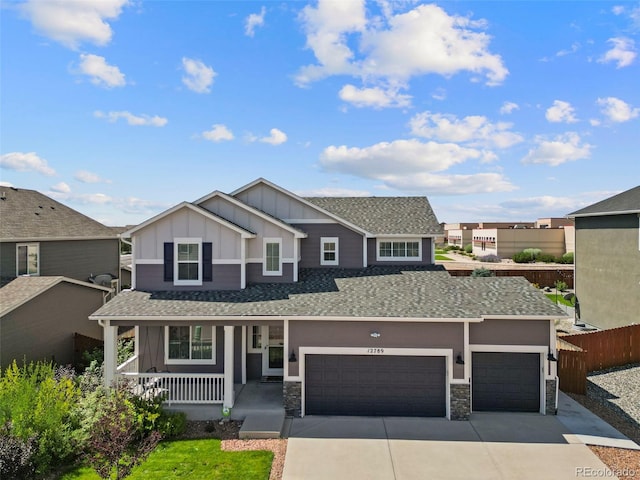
(168, 262)
(207, 257)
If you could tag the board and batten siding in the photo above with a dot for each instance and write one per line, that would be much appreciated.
(349, 245)
(279, 204)
(392, 335)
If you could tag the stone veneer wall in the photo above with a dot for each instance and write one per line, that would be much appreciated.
(292, 398)
(460, 394)
(550, 397)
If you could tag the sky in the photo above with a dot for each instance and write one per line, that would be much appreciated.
(496, 111)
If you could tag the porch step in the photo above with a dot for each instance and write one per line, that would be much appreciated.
(262, 425)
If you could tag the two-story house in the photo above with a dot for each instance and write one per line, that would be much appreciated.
(48, 252)
(340, 298)
(607, 260)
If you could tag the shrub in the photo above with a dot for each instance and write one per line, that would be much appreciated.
(16, 456)
(468, 248)
(172, 424)
(546, 258)
(533, 252)
(490, 259)
(567, 258)
(482, 272)
(522, 257)
(560, 285)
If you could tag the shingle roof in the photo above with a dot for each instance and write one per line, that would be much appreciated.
(28, 214)
(371, 292)
(22, 289)
(623, 203)
(384, 215)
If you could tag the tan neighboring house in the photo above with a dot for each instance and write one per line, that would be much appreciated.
(48, 254)
(337, 298)
(607, 260)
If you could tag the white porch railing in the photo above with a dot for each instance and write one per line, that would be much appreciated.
(200, 388)
(129, 366)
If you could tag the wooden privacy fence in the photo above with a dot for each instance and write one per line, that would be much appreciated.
(588, 352)
(544, 278)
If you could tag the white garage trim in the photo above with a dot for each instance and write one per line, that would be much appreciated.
(541, 350)
(377, 351)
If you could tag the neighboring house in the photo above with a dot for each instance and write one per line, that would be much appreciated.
(505, 242)
(607, 260)
(40, 236)
(39, 317)
(338, 297)
(50, 251)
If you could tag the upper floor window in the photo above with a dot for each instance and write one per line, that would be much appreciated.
(27, 259)
(190, 344)
(399, 250)
(188, 264)
(329, 251)
(272, 264)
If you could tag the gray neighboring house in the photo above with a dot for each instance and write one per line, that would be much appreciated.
(338, 298)
(607, 260)
(48, 252)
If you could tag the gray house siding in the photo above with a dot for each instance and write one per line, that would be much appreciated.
(607, 269)
(349, 245)
(392, 335)
(151, 278)
(372, 254)
(254, 274)
(510, 332)
(76, 259)
(43, 328)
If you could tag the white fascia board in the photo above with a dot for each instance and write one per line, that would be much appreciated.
(603, 214)
(526, 317)
(303, 201)
(255, 211)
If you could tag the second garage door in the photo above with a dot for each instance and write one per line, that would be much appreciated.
(375, 385)
(505, 382)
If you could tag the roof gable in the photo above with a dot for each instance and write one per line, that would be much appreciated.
(623, 203)
(30, 215)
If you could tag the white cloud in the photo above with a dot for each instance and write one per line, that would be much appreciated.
(333, 192)
(561, 112)
(85, 176)
(199, 77)
(61, 187)
(574, 48)
(73, 22)
(101, 73)
(26, 162)
(450, 184)
(134, 120)
(276, 137)
(375, 97)
(563, 148)
(422, 41)
(218, 133)
(623, 52)
(475, 130)
(254, 20)
(6, 184)
(508, 107)
(617, 110)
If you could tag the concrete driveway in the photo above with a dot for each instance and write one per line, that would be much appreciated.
(490, 446)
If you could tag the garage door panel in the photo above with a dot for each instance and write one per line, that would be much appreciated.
(375, 385)
(505, 381)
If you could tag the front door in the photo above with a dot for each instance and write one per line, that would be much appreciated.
(273, 350)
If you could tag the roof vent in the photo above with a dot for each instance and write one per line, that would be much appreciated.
(3, 195)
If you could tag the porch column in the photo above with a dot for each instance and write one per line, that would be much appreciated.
(110, 335)
(228, 366)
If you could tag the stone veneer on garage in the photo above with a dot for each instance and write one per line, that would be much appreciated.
(460, 401)
(292, 398)
(550, 397)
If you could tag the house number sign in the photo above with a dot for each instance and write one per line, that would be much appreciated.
(375, 351)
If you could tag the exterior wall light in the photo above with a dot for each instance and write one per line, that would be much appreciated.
(459, 359)
(292, 357)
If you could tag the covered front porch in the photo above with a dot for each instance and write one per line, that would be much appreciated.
(202, 373)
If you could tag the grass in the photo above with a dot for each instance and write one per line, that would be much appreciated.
(195, 460)
(442, 257)
(559, 299)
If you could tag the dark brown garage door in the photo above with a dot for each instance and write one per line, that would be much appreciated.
(505, 382)
(375, 385)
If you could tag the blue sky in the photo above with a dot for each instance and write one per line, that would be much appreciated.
(494, 110)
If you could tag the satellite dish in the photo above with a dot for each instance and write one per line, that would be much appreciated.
(104, 279)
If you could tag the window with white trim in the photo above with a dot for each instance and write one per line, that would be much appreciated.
(272, 254)
(188, 265)
(189, 344)
(329, 251)
(27, 259)
(393, 250)
(255, 339)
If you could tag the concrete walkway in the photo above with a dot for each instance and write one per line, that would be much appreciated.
(489, 446)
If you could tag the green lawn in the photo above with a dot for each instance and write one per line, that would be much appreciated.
(442, 257)
(195, 460)
(559, 299)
